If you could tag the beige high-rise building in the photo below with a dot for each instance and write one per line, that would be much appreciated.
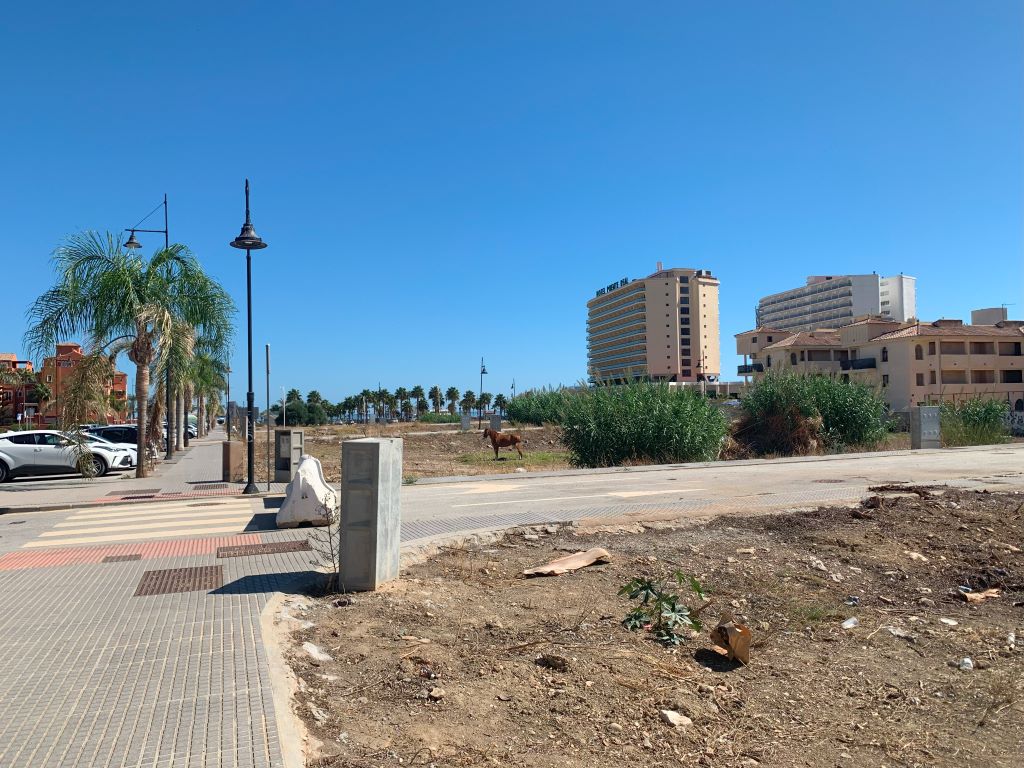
(662, 327)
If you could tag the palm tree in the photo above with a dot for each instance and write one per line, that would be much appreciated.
(313, 397)
(500, 402)
(109, 296)
(436, 398)
(417, 394)
(293, 394)
(468, 401)
(402, 397)
(367, 400)
(482, 402)
(452, 395)
(209, 377)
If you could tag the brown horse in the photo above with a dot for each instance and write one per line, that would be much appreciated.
(501, 440)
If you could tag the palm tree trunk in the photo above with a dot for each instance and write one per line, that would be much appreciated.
(141, 399)
(186, 400)
(178, 408)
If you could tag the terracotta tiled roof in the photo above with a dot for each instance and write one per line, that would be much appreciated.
(808, 339)
(951, 330)
(761, 329)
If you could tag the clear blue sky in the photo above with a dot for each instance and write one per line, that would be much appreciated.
(441, 181)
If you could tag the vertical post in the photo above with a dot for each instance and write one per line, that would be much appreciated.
(250, 424)
(371, 484)
(227, 408)
(167, 376)
(268, 418)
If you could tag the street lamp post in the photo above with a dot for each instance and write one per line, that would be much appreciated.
(133, 244)
(227, 405)
(249, 241)
(479, 405)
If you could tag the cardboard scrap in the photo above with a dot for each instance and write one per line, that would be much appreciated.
(570, 563)
(733, 637)
(980, 597)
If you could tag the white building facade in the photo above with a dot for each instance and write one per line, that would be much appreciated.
(832, 301)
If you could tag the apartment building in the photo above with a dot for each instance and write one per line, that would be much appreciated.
(56, 374)
(832, 301)
(15, 389)
(662, 327)
(910, 363)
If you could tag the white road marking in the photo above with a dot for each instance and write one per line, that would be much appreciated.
(632, 494)
(624, 494)
(131, 537)
(159, 510)
(152, 525)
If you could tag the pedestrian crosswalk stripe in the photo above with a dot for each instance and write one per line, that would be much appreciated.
(74, 522)
(129, 537)
(149, 521)
(152, 524)
(162, 509)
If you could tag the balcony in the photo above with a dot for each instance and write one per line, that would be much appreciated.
(751, 368)
(859, 364)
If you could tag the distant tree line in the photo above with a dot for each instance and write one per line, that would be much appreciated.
(403, 404)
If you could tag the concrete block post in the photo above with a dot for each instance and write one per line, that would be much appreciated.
(495, 422)
(466, 422)
(925, 429)
(371, 485)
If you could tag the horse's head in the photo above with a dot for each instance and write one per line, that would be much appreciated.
(487, 432)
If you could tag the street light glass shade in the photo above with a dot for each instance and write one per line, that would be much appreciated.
(482, 370)
(132, 242)
(247, 239)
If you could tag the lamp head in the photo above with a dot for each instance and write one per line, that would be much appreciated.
(247, 239)
(132, 242)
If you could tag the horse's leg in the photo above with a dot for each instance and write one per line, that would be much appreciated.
(518, 448)
(494, 444)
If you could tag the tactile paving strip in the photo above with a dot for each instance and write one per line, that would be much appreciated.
(263, 549)
(172, 580)
(121, 558)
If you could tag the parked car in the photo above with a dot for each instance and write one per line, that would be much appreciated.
(132, 448)
(117, 433)
(42, 452)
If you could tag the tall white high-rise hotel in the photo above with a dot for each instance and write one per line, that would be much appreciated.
(835, 300)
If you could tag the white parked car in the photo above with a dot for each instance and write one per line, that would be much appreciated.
(43, 452)
(133, 450)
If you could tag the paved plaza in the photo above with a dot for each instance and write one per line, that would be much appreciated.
(130, 634)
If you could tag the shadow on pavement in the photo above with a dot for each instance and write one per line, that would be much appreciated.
(262, 521)
(269, 582)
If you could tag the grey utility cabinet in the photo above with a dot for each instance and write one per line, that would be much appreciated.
(289, 445)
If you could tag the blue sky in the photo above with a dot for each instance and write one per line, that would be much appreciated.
(443, 181)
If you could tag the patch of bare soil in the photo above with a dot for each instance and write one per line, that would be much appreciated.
(430, 450)
(446, 667)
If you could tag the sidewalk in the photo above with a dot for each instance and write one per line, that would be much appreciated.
(192, 473)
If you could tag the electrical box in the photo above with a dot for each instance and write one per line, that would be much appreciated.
(925, 427)
(289, 445)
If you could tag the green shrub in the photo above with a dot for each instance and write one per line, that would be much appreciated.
(977, 421)
(539, 406)
(793, 415)
(439, 418)
(641, 422)
(662, 608)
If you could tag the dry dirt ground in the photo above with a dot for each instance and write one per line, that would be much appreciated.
(431, 450)
(442, 667)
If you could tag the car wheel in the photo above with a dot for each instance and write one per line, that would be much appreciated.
(99, 466)
(5, 473)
